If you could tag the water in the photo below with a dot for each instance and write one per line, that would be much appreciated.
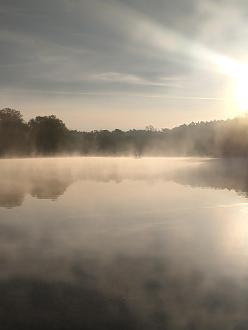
(122, 243)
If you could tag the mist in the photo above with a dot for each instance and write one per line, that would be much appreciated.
(48, 135)
(71, 227)
(123, 165)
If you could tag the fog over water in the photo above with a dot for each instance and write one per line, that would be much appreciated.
(123, 243)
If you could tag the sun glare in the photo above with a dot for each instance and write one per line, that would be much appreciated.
(241, 92)
(239, 72)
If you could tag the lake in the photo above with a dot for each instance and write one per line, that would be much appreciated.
(123, 243)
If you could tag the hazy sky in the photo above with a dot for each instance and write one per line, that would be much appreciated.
(124, 63)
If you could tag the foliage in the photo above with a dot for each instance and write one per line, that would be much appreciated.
(46, 135)
(13, 132)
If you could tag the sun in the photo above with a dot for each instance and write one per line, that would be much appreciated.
(238, 71)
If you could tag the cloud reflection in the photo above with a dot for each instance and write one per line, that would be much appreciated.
(66, 267)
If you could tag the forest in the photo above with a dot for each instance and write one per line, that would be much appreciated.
(48, 135)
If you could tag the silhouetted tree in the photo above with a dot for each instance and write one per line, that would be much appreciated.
(13, 132)
(48, 134)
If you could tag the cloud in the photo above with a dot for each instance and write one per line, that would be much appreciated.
(46, 44)
(127, 47)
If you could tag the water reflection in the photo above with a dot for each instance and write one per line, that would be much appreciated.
(43, 179)
(231, 174)
(49, 178)
(152, 298)
(125, 247)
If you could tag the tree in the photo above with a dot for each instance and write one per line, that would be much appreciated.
(13, 132)
(48, 134)
(150, 128)
(8, 115)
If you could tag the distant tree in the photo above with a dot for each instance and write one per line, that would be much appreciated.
(48, 134)
(150, 128)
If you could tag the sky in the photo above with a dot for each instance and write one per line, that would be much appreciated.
(105, 64)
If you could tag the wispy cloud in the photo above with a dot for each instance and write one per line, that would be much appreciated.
(124, 78)
(157, 50)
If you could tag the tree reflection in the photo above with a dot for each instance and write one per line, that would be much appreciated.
(231, 174)
(19, 178)
(49, 178)
(61, 273)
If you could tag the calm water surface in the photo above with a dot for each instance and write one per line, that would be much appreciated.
(122, 243)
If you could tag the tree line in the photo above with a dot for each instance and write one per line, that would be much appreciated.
(48, 135)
